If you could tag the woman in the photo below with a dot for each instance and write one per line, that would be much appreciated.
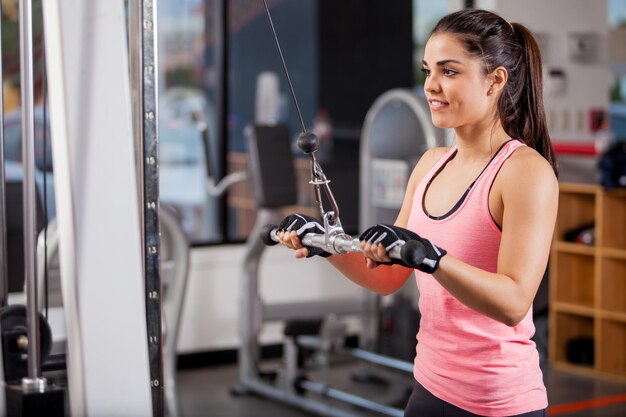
(483, 211)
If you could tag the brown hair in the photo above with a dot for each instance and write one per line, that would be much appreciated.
(498, 43)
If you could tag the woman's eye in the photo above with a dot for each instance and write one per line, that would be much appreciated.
(426, 71)
(449, 72)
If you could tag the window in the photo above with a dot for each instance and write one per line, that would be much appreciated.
(190, 96)
(256, 74)
(187, 115)
(12, 123)
(426, 14)
(617, 62)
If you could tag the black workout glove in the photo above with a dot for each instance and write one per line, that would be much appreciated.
(304, 224)
(421, 253)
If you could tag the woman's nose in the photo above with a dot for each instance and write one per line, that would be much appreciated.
(431, 85)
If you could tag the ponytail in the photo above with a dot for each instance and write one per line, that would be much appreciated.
(528, 122)
(496, 42)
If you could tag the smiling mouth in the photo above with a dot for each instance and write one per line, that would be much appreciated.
(437, 105)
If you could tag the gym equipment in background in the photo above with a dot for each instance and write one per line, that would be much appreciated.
(317, 330)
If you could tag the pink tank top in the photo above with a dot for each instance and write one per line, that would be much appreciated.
(464, 357)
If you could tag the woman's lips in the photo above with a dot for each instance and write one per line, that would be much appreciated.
(437, 105)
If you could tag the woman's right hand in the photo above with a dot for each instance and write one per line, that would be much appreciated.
(292, 241)
(291, 230)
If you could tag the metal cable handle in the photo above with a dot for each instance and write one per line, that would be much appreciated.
(410, 254)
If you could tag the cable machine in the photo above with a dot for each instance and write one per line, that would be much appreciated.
(289, 384)
(108, 227)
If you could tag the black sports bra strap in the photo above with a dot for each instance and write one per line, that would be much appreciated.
(467, 190)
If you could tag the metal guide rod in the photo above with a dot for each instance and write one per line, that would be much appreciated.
(152, 243)
(29, 190)
(336, 394)
(136, 89)
(378, 359)
(4, 278)
(144, 74)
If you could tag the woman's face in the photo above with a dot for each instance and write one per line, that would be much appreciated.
(456, 86)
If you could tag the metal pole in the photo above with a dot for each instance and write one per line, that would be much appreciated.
(221, 94)
(328, 392)
(4, 279)
(144, 65)
(29, 188)
(136, 89)
(387, 361)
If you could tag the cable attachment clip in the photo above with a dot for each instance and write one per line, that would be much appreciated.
(319, 182)
(335, 237)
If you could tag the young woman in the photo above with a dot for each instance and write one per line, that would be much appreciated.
(483, 211)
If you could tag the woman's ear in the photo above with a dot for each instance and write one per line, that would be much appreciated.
(498, 79)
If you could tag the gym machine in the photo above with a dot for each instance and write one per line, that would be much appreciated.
(26, 337)
(270, 160)
(309, 325)
(398, 116)
(103, 301)
(164, 258)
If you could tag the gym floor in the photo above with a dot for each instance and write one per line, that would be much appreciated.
(207, 392)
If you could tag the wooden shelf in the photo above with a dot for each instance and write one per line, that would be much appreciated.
(611, 209)
(613, 316)
(613, 277)
(612, 347)
(577, 309)
(569, 247)
(569, 328)
(613, 253)
(576, 188)
(579, 289)
(588, 283)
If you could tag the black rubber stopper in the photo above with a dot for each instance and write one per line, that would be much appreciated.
(14, 325)
(266, 234)
(308, 142)
(412, 253)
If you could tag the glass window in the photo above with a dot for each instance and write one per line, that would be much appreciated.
(188, 115)
(189, 101)
(257, 91)
(256, 76)
(426, 14)
(617, 62)
(11, 105)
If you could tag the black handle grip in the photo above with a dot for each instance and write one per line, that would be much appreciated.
(412, 253)
(266, 234)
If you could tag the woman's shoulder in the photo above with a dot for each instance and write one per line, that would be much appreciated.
(429, 159)
(527, 170)
(526, 159)
(432, 155)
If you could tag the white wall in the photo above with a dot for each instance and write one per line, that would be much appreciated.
(211, 313)
(586, 83)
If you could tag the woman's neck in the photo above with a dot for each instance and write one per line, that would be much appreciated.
(479, 143)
